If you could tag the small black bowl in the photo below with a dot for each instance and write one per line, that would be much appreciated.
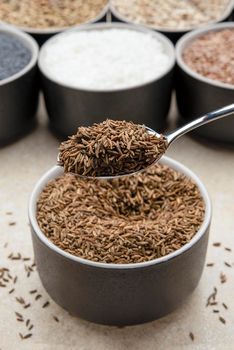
(41, 35)
(70, 107)
(197, 95)
(120, 294)
(174, 34)
(19, 93)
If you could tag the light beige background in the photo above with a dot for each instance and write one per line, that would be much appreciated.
(21, 165)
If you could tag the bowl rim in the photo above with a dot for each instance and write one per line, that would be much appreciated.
(29, 42)
(226, 14)
(187, 39)
(103, 26)
(55, 30)
(56, 171)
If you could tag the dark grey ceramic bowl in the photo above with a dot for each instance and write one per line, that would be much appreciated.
(43, 34)
(19, 93)
(120, 294)
(69, 108)
(197, 95)
(172, 33)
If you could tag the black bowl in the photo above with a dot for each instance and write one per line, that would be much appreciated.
(70, 107)
(174, 34)
(197, 95)
(120, 294)
(19, 93)
(41, 35)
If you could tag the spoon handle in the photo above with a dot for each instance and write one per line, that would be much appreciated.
(207, 118)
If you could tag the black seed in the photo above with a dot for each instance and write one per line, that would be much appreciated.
(33, 291)
(221, 319)
(225, 306)
(56, 318)
(47, 303)
(191, 336)
(227, 264)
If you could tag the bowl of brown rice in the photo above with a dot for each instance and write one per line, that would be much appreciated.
(205, 78)
(124, 251)
(45, 18)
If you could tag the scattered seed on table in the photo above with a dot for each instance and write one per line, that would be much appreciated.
(31, 327)
(13, 223)
(9, 276)
(12, 290)
(18, 314)
(20, 300)
(15, 279)
(221, 319)
(210, 264)
(27, 322)
(56, 318)
(38, 296)
(228, 249)
(212, 296)
(27, 335)
(223, 277)
(2, 285)
(9, 213)
(27, 305)
(20, 319)
(213, 303)
(217, 244)
(26, 259)
(33, 291)
(14, 257)
(191, 335)
(225, 306)
(227, 264)
(47, 303)
(216, 311)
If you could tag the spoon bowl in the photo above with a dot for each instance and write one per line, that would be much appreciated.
(171, 137)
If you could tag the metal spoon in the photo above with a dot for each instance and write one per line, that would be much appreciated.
(174, 135)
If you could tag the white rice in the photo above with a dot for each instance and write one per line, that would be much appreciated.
(106, 59)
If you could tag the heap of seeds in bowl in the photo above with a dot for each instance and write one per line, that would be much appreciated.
(212, 55)
(124, 220)
(49, 13)
(111, 148)
(170, 13)
(14, 55)
(105, 60)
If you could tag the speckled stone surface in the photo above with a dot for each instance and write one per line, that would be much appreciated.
(22, 164)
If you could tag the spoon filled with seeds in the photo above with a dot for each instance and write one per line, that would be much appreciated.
(117, 148)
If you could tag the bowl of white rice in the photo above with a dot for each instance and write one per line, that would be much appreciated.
(173, 18)
(107, 70)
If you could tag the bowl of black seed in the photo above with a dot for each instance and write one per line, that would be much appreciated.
(121, 251)
(19, 86)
